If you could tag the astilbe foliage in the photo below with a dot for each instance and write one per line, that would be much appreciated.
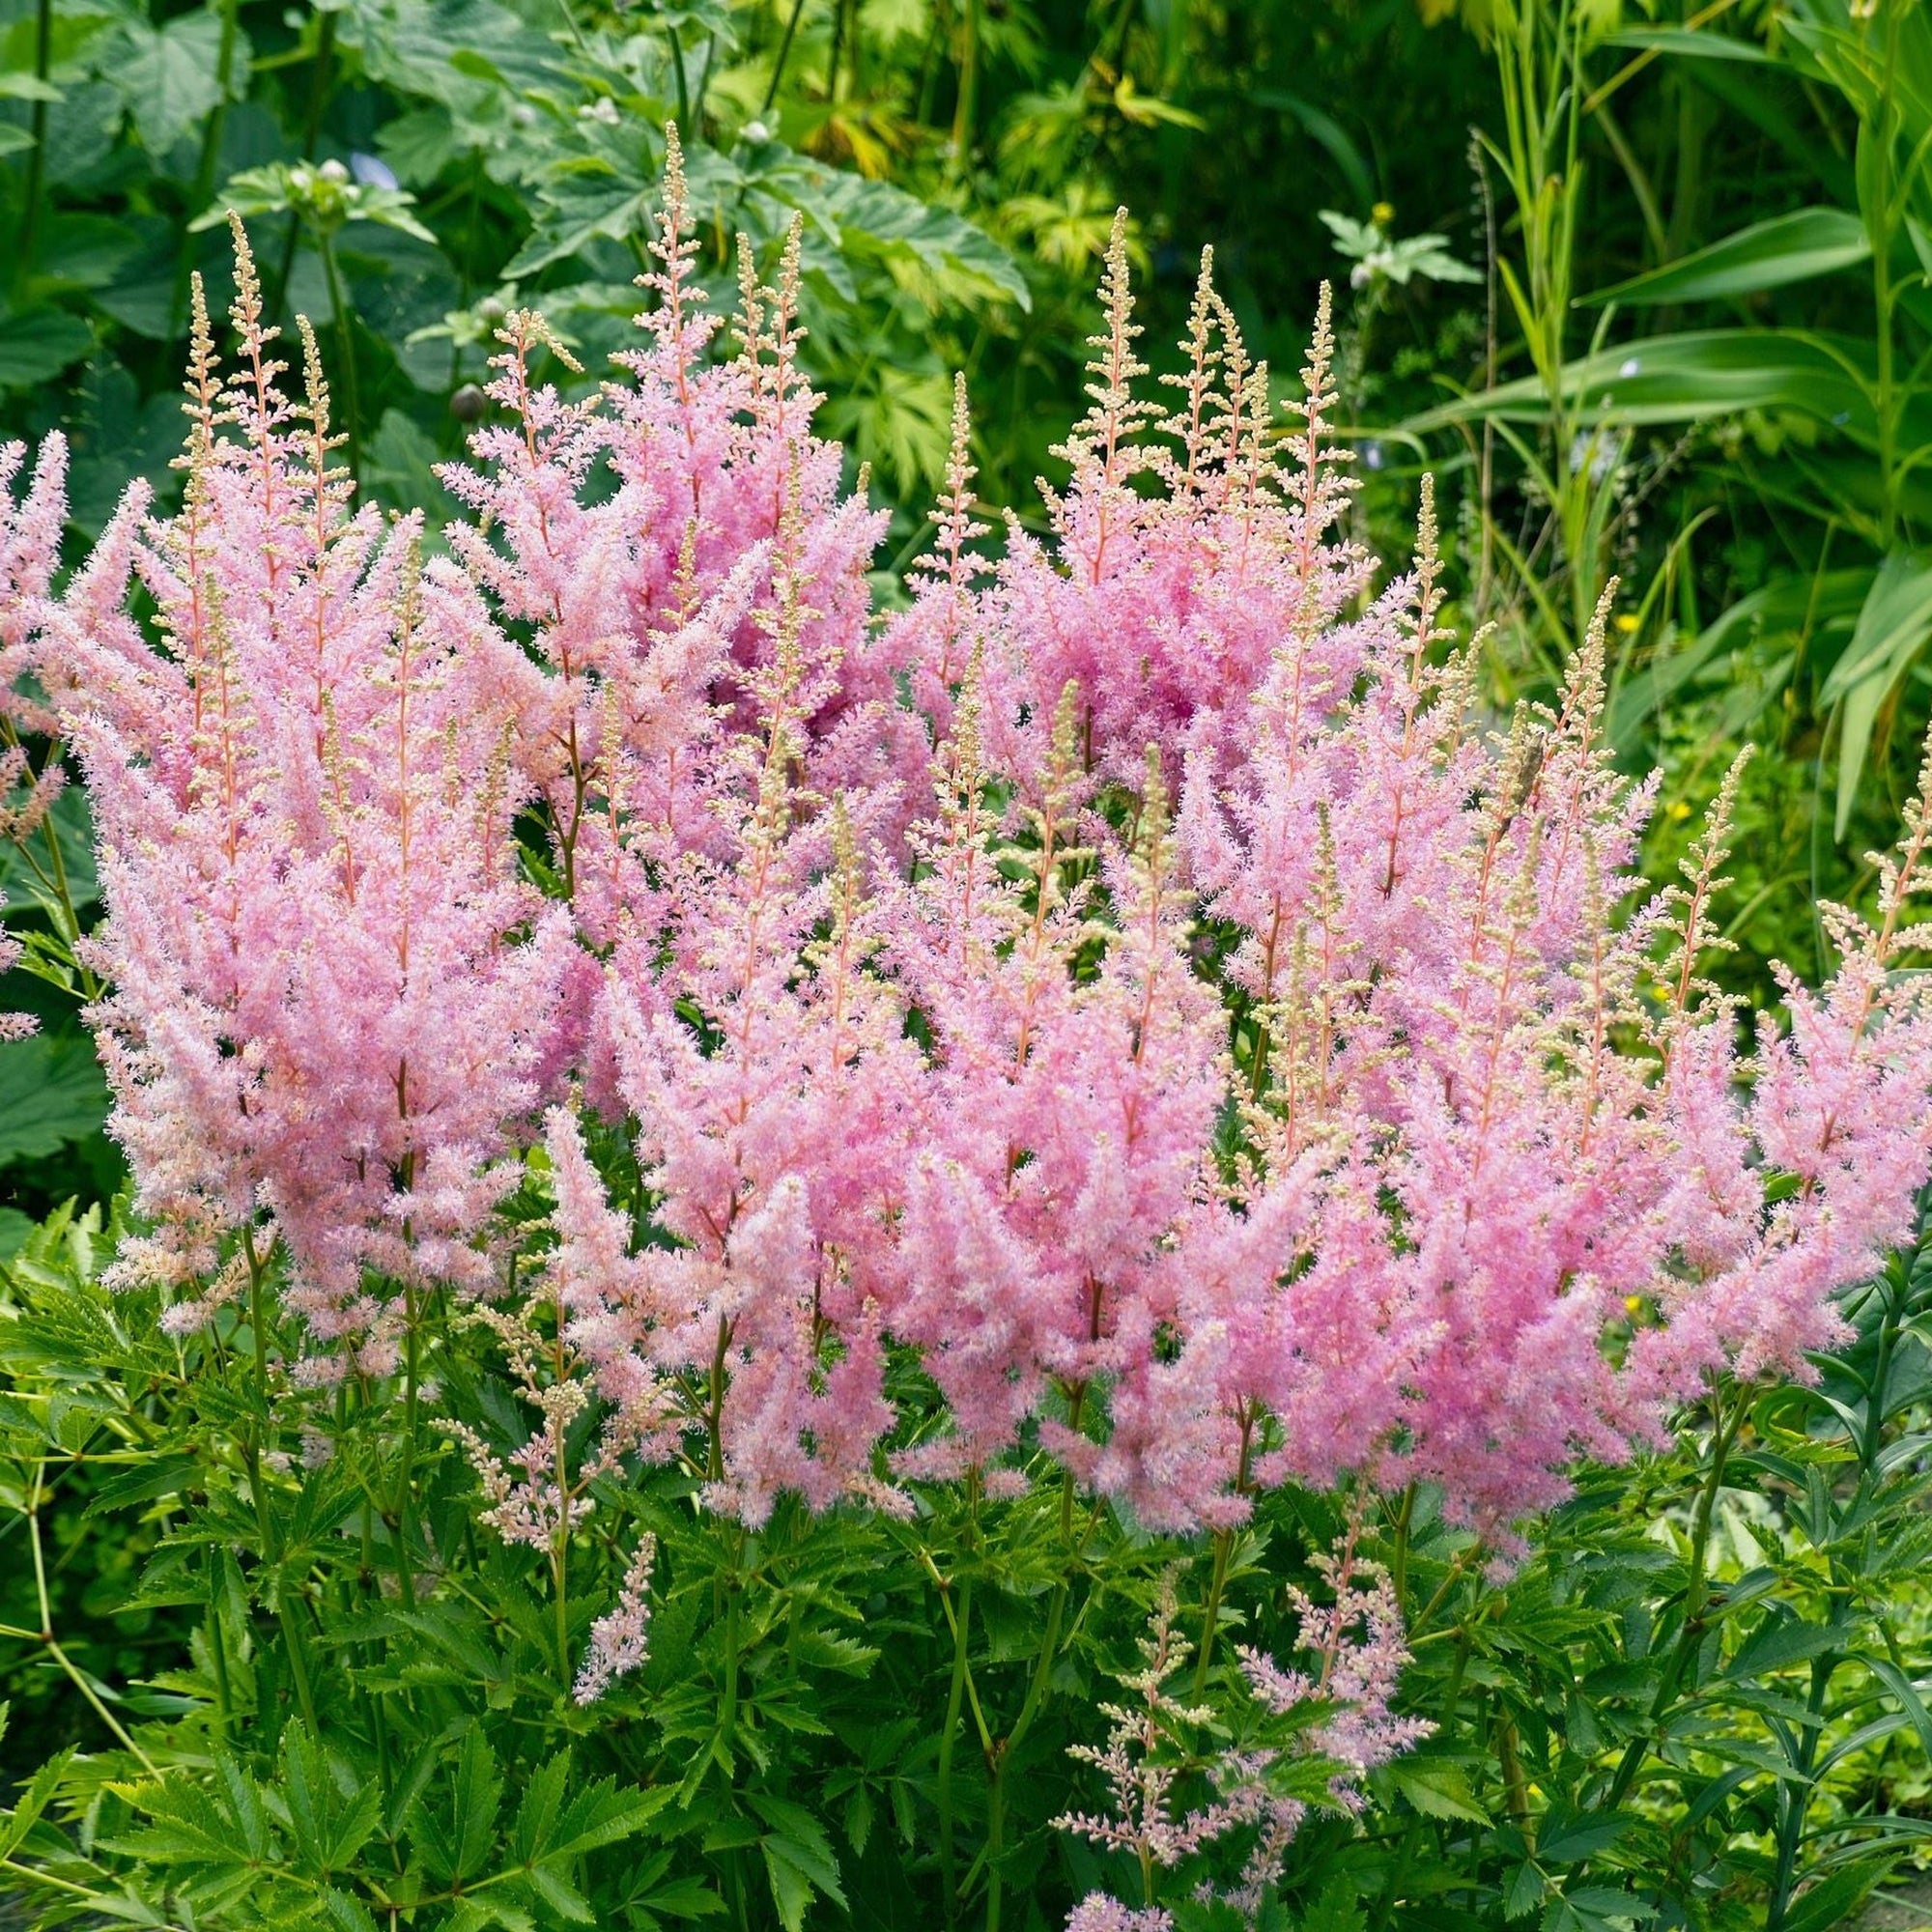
(1135, 983)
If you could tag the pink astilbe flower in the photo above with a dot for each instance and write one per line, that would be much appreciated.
(620, 1638)
(30, 534)
(642, 600)
(1068, 1114)
(1181, 553)
(1357, 1651)
(320, 1010)
(1361, 1118)
(769, 1070)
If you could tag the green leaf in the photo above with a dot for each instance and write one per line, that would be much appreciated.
(1691, 377)
(1831, 1902)
(875, 217)
(797, 1855)
(37, 344)
(1780, 1642)
(1769, 254)
(1436, 1789)
(161, 1475)
(170, 76)
(51, 1092)
(21, 887)
(1524, 1891)
(34, 1800)
(456, 1835)
(1566, 1837)
(1687, 43)
(1891, 630)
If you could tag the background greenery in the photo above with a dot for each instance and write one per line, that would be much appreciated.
(1649, 287)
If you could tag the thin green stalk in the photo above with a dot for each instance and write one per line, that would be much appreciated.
(962, 1626)
(37, 158)
(1884, 296)
(1411, 1834)
(75, 1675)
(1210, 1619)
(683, 86)
(338, 301)
(318, 101)
(406, 1508)
(1794, 1795)
(966, 109)
(784, 55)
(211, 147)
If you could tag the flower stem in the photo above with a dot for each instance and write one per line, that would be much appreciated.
(955, 1696)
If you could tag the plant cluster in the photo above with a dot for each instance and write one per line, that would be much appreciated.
(649, 1086)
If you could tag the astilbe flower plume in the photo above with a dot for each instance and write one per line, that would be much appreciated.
(636, 533)
(1135, 981)
(1180, 554)
(329, 991)
(1341, 1708)
(30, 533)
(772, 1081)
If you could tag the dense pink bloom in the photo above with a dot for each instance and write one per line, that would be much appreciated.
(30, 534)
(1356, 1113)
(321, 1019)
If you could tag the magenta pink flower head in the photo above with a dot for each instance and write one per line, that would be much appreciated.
(1134, 981)
(329, 991)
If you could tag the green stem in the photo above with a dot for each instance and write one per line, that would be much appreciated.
(1404, 1860)
(784, 55)
(1210, 1620)
(37, 158)
(683, 86)
(955, 1696)
(318, 101)
(966, 109)
(406, 1508)
(1794, 1795)
(1883, 296)
(338, 301)
(211, 147)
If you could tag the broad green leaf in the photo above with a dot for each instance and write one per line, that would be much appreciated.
(21, 886)
(170, 76)
(51, 1092)
(456, 1827)
(1437, 1790)
(37, 344)
(32, 1801)
(1833, 1900)
(1564, 1837)
(873, 216)
(1773, 255)
(1891, 630)
(1780, 1642)
(1689, 44)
